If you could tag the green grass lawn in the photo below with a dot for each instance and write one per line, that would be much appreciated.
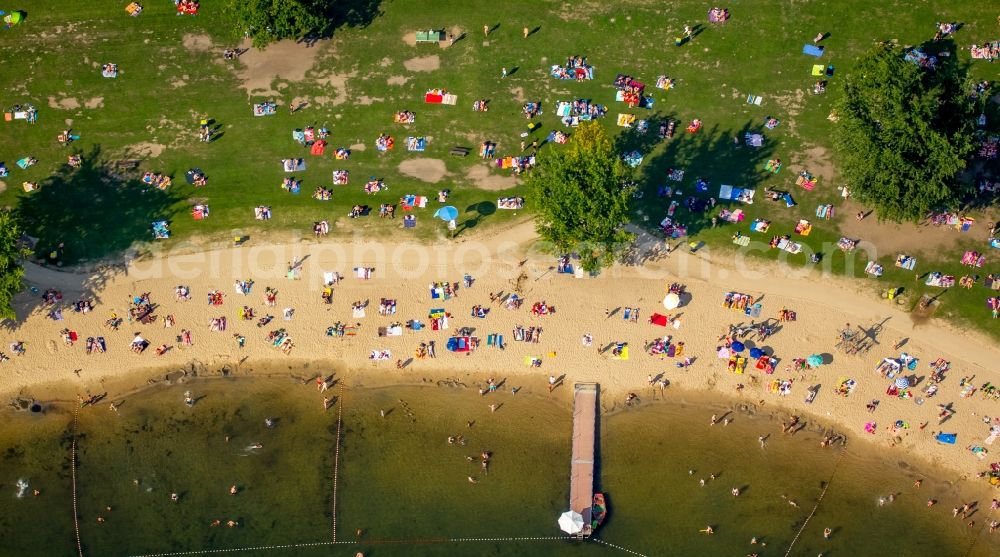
(359, 78)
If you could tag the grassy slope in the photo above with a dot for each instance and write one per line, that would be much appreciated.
(758, 52)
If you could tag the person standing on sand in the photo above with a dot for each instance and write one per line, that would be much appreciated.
(552, 382)
(526, 32)
(714, 419)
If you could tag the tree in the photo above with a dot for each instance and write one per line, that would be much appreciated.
(904, 133)
(266, 21)
(582, 198)
(11, 272)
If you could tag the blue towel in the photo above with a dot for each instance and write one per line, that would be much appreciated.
(948, 438)
(812, 50)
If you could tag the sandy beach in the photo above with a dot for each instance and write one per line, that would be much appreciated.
(505, 262)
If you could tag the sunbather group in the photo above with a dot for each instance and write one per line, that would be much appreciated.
(517, 164)
(404, 117)
(988, 51)
(481, 105)
(718, 15)
(322, 194)
(487, 149)
(576, 68)
(156, 179)
(187, 7)
(532, 109)
(198, 179)
(265, 109)
(384, 142)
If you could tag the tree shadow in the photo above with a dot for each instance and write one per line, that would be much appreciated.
(711, 154)
(347, 13)
(646, 142)
(482, 209)
(92, 210)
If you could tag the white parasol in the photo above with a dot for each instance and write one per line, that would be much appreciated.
(571, 522)
(671, 301)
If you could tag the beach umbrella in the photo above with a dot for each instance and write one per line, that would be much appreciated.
(902, 382)
(738, 347)
(723, 352)
(756, 352)
(671, 301)
(571, 522)
(446, 213)
(815, 360)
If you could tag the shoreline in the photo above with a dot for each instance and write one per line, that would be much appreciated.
(501, 263)
(672, 399)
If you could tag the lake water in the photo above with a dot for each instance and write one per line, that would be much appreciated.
(406, 488)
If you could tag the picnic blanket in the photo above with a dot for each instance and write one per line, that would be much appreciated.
(265, 109)
(806, 180)
(160, 230)
(626, 120)
(789, 246)
(293, 165)
(410, 201)
(906, 262)
(732, 193)
(578, 73)
(416, 143)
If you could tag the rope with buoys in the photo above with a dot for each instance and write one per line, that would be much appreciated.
(72, 475)
(818, 501)
(336, 460)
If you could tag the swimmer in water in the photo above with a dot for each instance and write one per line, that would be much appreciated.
(826, 533)
(472, 480)
(255, 446)
(174, 497)
(707, 530)
(701, 482)
(215, 522)
(736, 492)
(233, 490)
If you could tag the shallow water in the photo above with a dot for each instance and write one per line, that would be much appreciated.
(400, 480)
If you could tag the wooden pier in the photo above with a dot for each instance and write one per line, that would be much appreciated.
(581, 487)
